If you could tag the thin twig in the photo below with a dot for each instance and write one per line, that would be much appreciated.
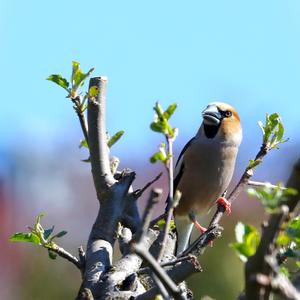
(280, 282)
(153, 199)
(160, 217)
(167, 264)
(80, 113)
(165, 233)
(176, 261)
(159, 271)
(248, 173)
(170, 206)
(264, 184)
(66, 255)
(81, 254)
(138, 247)
(198, 246)
(138, 193)
(170, 168)
(83, 125)
(178, 273)
(161, 287)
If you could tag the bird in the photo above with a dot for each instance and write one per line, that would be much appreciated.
(205, 168)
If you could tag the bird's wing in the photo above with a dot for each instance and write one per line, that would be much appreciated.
(179, 169)
(180, 165)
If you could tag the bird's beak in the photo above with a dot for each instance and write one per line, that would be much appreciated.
(211, 115)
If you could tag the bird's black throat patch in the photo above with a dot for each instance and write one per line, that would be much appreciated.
(211, 130)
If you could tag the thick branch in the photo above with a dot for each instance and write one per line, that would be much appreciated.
(257, 263)
(178, 273)
(102, 175)
(264, 262)
(111, 193)
(294, 182)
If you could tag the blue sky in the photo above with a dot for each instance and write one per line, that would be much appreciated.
(246, 53)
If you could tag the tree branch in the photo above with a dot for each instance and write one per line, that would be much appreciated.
(264, 184)
(99, 151)
(78, 106)
(111, 193)
(248, 173)
(158, 271)
(139, 193)
(257, 264)
(178, 274)
(66, 255)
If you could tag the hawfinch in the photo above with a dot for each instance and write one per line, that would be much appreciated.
(205, 167)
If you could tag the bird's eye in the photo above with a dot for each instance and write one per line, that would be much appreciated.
(227, 113)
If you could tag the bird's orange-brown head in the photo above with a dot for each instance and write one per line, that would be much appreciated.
(221, 122)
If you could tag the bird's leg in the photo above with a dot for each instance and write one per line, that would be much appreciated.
(196, 223)
(225, 203)
(198, 226)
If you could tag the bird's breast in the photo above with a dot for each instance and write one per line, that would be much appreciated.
(207, 171)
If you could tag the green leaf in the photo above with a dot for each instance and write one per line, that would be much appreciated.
(158, 127)
(158, 109)
(253, 163)
(58, 79)
(60, 234)
(160, 223)
(283, 239)
(273, 131)
(283, 270)
(160, 123)
(78, 76)
(270, 197)
(115, 138)
(247, 238)
(93, 91)
(158, 156)
(84, 144)
(48, 232)
(75, 68)
(172, 225)
(293, 231)
(170, 110)
(298, 264)
(51, 254)
(25, 237)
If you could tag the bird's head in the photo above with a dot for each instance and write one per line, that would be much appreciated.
(221, 122)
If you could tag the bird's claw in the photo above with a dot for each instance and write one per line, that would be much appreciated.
(202, 230)
(225, 203)
(198, 226)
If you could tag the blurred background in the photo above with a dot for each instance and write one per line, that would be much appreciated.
(192, 53)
